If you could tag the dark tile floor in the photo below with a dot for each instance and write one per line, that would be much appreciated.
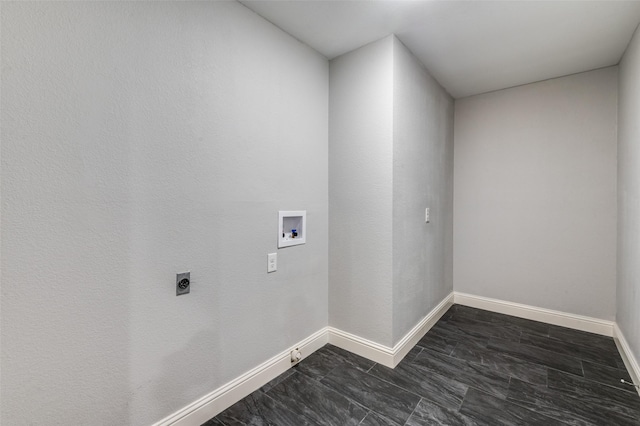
(473, 367)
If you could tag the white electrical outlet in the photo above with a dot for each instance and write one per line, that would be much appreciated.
(272, 262)
(426, 215)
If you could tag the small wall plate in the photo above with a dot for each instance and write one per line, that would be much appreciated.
(183, 283)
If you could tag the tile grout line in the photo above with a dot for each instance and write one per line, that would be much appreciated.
(394, 384)
(412, 411)
(547, 381)
(382, 380)
(463, 398)
(418, 354)
(470, 363)
(609, 386)
(453, 350)
(365, 416)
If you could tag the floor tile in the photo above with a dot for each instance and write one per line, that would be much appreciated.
(476, 330)
(213, 422)
(522, 324)
(472, 367)
(351, 359)
(627, 403)
(443, 390)
(462, 311)
(448, 313)
(233, 422)
(320, 363)
(607, 375)
(563, 407)
(471, 350)
(621, 364)
(277, 380)
(387, 399)
(429, 413)
(479, 328)
(502, 363)
(413, 353)
(259, 409)
(489, 410)
(317, 402)
(587, 353)
(375, 419)
(436, 342)
(537, 355)
(456, 334)
(582, 338)
(469, 373)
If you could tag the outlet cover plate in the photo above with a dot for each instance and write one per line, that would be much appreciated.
(272, 262)
(183, 283)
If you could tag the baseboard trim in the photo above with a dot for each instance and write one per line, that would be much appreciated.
(220, 399)
(215, 402)
(630, 361)
(389, 357)
(402, 348)
(577, 322)
(361, 346)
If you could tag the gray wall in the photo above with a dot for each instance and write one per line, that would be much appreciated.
(360, 191)
(422, 177)
(628, 290)
(390, 157)
(534, 194)
(140, 140)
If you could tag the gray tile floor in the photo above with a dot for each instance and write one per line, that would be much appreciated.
(473, 367)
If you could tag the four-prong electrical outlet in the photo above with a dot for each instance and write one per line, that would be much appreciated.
(183, 283)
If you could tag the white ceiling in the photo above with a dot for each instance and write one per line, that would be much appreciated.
(470, 47)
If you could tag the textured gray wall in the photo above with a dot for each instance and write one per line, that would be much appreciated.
(535, 194)
(360, 191)
(142, 139)
(628, 289)
(390, 157)
(422, 177)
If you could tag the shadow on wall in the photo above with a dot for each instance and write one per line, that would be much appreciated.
(172, 388)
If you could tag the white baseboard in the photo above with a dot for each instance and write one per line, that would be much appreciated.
(630, 361)
(385, 355)
(212, 404)
(402, 348)
(225, 396)
(215, 402)
(220, 399)
(360, 346)
(577, 322)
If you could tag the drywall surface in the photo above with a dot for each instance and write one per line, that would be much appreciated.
(422, 177)
(142, 139)
(535, 194)
(628, 288)
(360, 191)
